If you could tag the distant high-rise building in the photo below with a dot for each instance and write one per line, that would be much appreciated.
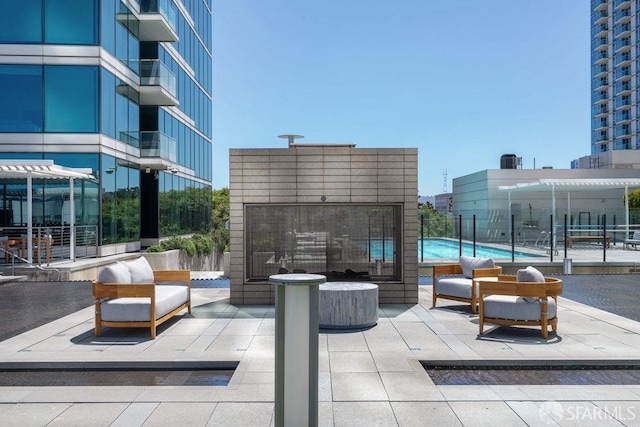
(615, 85)
(119, 86)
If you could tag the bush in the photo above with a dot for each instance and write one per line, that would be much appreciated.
(198, 244)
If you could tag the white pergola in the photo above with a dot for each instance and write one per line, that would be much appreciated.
(43, 169)
(575, 184)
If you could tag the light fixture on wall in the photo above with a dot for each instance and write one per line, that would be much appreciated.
(173, 170)
(147, 170)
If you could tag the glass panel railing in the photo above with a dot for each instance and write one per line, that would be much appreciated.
(622, 13)
(163, 7)
(598, 28)
(159, 145)
(130, 138)
(621, 28)
(154, 73)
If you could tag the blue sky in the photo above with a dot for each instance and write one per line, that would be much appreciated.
(463, 81)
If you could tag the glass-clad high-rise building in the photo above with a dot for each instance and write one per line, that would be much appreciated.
(615, 85)
(119, 86)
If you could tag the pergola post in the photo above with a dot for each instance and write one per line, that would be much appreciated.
(72, 222)
(29, 216)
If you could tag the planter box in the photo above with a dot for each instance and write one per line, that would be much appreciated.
(168, 260)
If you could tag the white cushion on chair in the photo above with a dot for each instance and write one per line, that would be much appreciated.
(140, 269)
(138, 309)
(458, 286)
(469, 264)
(454, 286)
(115, 273)
(516, 308)
(531, 275)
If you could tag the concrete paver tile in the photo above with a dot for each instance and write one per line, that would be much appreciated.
(183, 413)
(32, 414)
(410, 386)
(89, 415)
(135, 414)
(240, 414)
(363, 414)
(346, 341)
(424, 414)
(351, 361)
(357, 386)
(486, 413)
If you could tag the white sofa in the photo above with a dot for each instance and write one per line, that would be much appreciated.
(458, 282)
(131, 294)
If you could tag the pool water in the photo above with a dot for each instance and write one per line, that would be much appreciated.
(439, 248)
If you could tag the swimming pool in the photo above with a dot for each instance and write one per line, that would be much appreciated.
(440, 248)
(443, 248)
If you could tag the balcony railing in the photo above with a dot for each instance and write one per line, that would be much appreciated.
(618, 3)
(599, 15)
(157, 83)
(158, 145)
(620, 14)
(621, 29)
(598, 28)
(158, 21)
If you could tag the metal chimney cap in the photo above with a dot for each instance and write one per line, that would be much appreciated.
(291, 138)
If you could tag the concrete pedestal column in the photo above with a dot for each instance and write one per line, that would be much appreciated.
(297, 324)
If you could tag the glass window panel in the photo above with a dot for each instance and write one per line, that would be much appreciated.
(134, 118)
(134, 204)
(85, 193)
(108, 196)
(21, 106)
(108, 103)
(71, 22)
(71, 98)
(21, 21)
(122, 116)
(107, 25)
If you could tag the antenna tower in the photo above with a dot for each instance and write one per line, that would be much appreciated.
(444, 183)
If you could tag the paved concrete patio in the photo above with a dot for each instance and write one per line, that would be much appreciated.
(367, 377)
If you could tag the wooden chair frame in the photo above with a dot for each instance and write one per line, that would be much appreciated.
(508, 285)
(456, 269)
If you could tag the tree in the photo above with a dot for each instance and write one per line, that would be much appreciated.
(634, 206)
(220, 220)
(435, 223)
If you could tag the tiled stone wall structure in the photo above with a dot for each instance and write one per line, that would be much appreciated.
(343, 174)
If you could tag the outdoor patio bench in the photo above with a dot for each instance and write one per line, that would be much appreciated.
(462, 283)
(632, 241)
(527, 299)
(596, 239)
(130, 294)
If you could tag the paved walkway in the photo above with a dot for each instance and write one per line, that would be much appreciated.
(367, 377)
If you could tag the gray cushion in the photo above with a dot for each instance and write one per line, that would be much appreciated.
(115, 273)
(530, 274)
(469, 264)
(516, 308)
(138, 309)
(141, 271)
(455, 286)
(458, 286)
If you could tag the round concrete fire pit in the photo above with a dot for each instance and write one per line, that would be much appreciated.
(348, 305)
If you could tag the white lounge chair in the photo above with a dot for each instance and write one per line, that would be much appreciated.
(633, 241)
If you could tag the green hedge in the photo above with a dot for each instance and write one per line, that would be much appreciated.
(198, 244)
